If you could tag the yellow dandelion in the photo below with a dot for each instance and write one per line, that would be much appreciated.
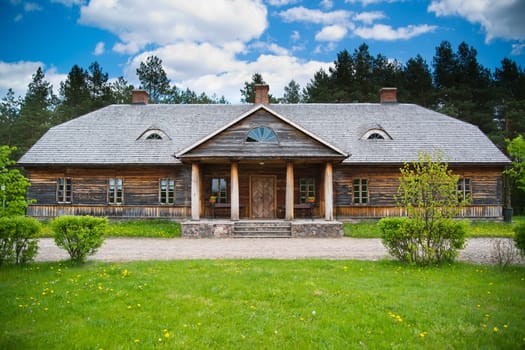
(505, 326)
(167, 335)
(138, 305)
(495, 329)
(478, 306)
(129, 307)
(136, 341)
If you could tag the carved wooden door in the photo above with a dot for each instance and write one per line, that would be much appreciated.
(263, 197)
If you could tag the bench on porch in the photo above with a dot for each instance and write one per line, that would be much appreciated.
(306, 208)
(213, 206)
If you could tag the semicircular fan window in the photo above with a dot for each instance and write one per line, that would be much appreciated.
(261, 134)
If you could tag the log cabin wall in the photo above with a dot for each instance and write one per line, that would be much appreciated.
(486, 191)
(89, 191)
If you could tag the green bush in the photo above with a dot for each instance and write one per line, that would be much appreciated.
(18, 241)
(415, 241)
(79, 235)
(519, 238)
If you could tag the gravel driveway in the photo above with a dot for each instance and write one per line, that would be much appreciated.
(478, 250)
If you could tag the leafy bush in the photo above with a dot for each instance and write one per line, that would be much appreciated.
(79, 235)
(519, 238)
(410, 241)
(17, 239)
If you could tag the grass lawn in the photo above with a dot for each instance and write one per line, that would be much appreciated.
(369, 229)
(154, 228)
(261, 304)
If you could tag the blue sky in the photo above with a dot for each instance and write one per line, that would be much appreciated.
(216, 45)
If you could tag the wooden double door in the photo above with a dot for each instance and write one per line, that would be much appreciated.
(262, 196)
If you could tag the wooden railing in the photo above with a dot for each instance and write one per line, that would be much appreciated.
(119, 211)
(371, 212)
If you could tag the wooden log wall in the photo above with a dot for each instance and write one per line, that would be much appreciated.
(90, 191)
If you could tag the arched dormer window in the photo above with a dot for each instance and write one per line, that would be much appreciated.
(261, 134)
(376, 134)
(153, 134)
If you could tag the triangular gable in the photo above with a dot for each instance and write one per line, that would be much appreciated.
(308, 138)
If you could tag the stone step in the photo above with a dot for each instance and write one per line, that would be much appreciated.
(262, 230)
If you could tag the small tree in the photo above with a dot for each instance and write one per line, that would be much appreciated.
(516, 149)
(13, 185)
(18, 241)
(428, 191)
(79, 235)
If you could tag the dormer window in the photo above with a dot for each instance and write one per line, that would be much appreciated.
(153, 134)
(261, 134)
(376, 134)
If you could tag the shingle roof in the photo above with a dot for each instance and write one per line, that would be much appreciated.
(112, 134)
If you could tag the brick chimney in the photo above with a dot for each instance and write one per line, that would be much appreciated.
(139, 97)
(388, 95)
(261, 94)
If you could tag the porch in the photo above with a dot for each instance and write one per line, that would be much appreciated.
(224, 228)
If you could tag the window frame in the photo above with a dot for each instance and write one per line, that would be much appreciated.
(253, 140)
(63, 194)
(464, 188)
(360, 196)
(113, 194)
(217, 190)
(306, 189)
(167, 191)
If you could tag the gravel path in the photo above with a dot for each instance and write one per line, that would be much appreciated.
(478, 250)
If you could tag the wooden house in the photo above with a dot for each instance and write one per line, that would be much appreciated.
(222, 165)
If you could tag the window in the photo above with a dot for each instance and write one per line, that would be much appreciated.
(115, 191)
(463, 189)
(167, 191)
(376, 134)
(218, 189)
(64, 190)
(360, 191)
(154, 136)
(306, 189)
(261, 134)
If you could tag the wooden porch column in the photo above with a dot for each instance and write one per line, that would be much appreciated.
(289, 214)
(235, 191)
(328, 192)
(195, 192)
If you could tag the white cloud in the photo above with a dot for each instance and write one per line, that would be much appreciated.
(369, 17)
(31, 7)
(216, 70)
(327, 4)
(70, 3)
(18, 17)
(269, 47)
(138, 23)
(282, 2)
(302, 14)
(99, 48)
(387, 33)
(331, 33)
(370, 2)
(295, 35)
(499, 18)
(17, 75)
(517, 49)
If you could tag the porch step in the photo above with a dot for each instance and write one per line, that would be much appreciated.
(262, 229)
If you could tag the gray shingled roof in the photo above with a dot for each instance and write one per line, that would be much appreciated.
(111, 135)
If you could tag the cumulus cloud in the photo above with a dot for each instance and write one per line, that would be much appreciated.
(217, 70)
(302, 14)
(387, 33)
(99, 49)
(17, 75)
(499, 18)
(282, 2)
(369, 17)
(370, 2)
(517, 49)
(138, 23)
(331, 33)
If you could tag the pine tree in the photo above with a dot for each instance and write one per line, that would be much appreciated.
(153, 79)
(9, 114)
(292, 92)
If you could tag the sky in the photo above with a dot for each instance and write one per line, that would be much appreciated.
(214, 46)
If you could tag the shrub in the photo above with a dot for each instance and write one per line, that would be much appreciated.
(79, 235)
(410, 241)
(17, 239)
(503, 252)
(519, 238)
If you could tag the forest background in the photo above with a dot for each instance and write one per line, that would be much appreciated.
(454, 83)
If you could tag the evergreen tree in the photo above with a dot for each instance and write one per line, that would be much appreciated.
(248, 93)
(75, 95)
(9, 113)
(99, 88)
(36, 113)
(121, 91)
(292, 93)
(319, 89)
(153, 79)
(416, 83)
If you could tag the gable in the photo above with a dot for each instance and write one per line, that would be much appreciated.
(262, 134)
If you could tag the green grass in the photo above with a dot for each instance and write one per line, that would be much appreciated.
(261, 304)
(154, 228)
(369, 229)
